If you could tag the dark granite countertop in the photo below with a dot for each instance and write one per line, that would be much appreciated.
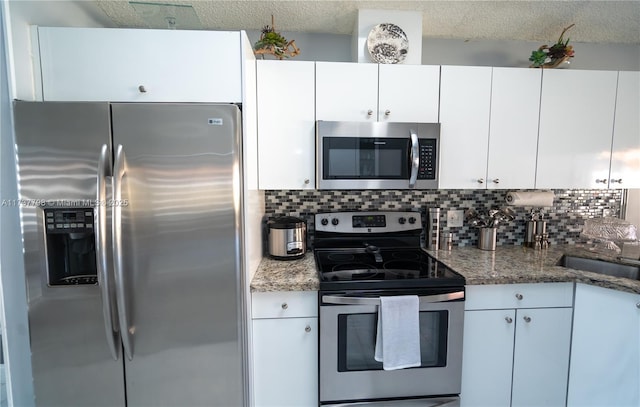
(505, 265)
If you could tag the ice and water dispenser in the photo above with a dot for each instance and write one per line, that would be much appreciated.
(71, 248)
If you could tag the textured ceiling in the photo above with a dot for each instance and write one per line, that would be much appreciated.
(595, 21)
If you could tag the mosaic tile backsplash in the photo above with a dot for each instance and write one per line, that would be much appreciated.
(564, 219)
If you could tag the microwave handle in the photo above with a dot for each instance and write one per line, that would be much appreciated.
(415, 159)
(347, 300)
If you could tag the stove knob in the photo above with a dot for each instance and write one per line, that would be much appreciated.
(335, 221)
(412, 220)
(324, 221)
(402, 221)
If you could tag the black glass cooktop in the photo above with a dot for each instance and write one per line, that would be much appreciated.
(382, 268)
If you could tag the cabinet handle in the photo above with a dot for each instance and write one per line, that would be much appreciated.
(601, 181)
(369, 112)
(307, 328)
(616, 181)
(142, 89)
(480, 180)
(508, 319)
(306, 181)
(284, 305)
(496, 181)
(387, 112)
(527, 319)
(638, 305)
(519, 296)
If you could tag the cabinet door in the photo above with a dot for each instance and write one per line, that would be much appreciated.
(541, 357)
(465, 97)
(625, 154)
(346, 91)
(487, 358)
(134, 65)
(605, 349)
(285, 360)
(286, 125)
(576, 127)
(513, 131)
(408, 93)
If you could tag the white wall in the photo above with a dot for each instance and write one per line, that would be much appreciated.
(438, 51)
(615, 57)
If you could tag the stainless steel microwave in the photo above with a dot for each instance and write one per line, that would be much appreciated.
(376, 155)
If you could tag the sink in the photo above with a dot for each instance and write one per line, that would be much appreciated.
(601, 267)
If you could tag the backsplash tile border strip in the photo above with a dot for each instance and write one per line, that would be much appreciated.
(564, 219)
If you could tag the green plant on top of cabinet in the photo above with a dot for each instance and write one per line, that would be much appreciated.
(135, 65)
(625, 151)
(516, 345)
(369, 92)
(286, 124)
(576, 128)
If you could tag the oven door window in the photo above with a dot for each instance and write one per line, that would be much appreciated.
(357, 340)
(365, 158)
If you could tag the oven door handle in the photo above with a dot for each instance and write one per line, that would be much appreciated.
(348, 300)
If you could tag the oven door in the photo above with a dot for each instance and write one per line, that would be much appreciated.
(348, 370)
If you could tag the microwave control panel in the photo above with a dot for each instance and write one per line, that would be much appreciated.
(428, 159)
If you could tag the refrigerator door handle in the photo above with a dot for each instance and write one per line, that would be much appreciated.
(106, 290)
(119, 171)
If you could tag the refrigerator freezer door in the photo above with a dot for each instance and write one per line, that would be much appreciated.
(180, 252)
(58, 146)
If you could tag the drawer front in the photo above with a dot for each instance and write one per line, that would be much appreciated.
(504, 296)
(284, 304)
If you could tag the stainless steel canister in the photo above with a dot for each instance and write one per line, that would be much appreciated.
(530, 233)
(446, 241)
(432, 231)
(487, 238)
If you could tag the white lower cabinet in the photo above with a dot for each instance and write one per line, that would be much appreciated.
(285, 349)
(512, 355)
(605, 350)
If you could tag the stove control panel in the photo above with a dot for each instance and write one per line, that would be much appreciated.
(368, 222)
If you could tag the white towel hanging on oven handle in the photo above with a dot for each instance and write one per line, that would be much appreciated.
(398, 332)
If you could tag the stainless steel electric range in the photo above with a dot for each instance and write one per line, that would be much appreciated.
(362, 256)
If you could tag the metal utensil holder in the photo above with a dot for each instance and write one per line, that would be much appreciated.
(487, 238)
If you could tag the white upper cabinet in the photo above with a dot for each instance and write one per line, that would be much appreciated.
(286, 125)
(465, 103)
(134, 65)
(576, 128)
(625, 153)
(513, 128)
(346, 91)
(408, 93)
(369, 92)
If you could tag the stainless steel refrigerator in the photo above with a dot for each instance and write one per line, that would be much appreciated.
(131, 222)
